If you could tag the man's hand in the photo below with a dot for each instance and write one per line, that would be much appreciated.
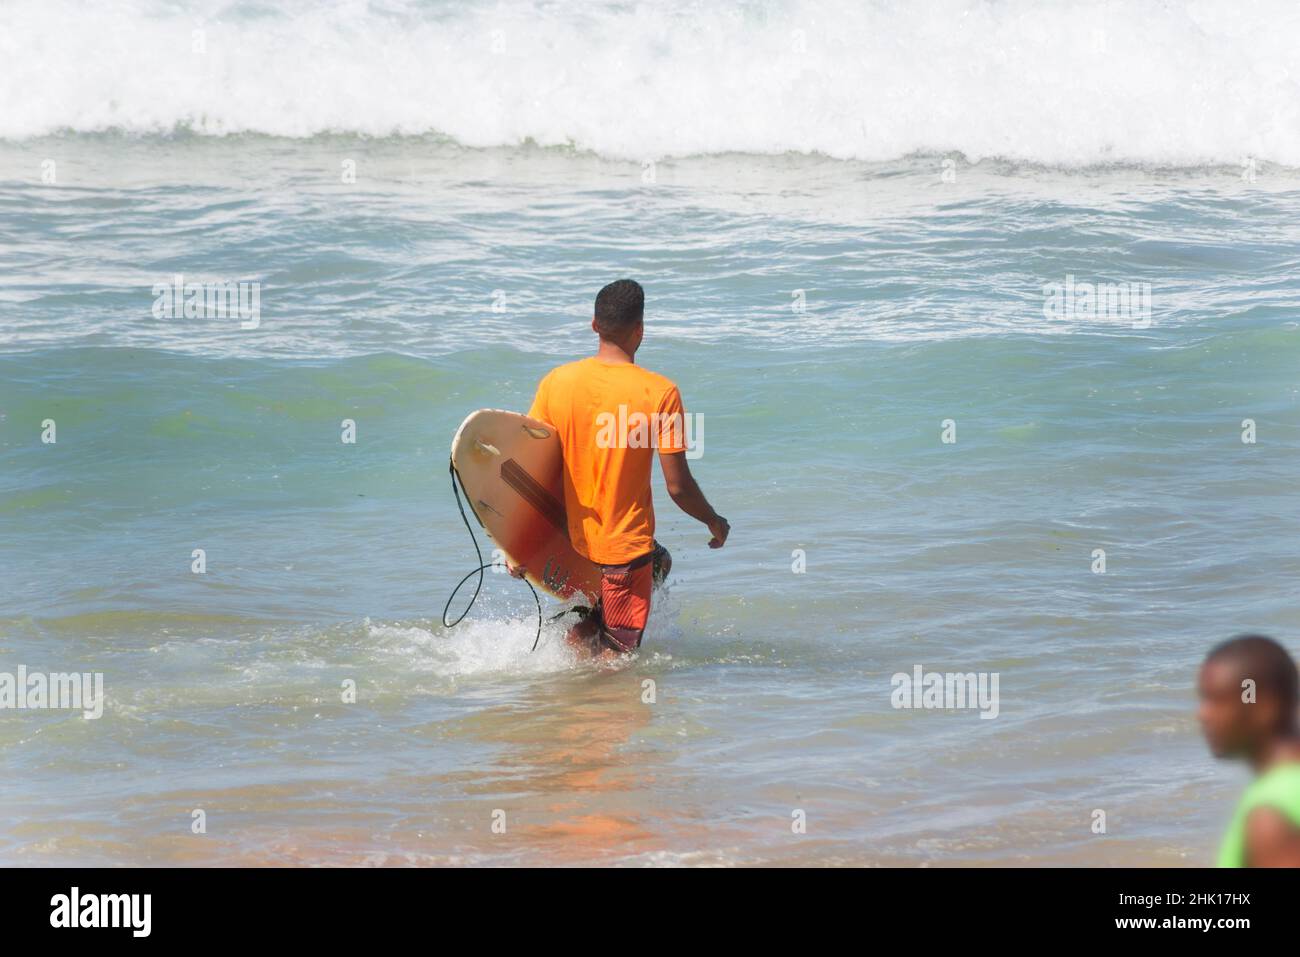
(685, 492)
(516, 571)
(719, 529)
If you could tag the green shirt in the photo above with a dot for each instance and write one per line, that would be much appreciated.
(1277, 788)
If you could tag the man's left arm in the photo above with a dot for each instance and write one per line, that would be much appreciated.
(682, 487)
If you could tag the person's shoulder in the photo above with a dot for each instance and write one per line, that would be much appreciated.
(659, 383)
(566, 370)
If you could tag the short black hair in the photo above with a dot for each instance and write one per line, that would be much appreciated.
(620, 306)
(1264, 661)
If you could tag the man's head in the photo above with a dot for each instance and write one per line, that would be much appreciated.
(1248, 692)
(620, 314)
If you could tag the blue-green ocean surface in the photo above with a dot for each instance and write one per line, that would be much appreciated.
(833, 320)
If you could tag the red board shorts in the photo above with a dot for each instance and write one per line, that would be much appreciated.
(624, 604)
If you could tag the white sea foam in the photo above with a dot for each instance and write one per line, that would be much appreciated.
(477, 647)
(1068, 83)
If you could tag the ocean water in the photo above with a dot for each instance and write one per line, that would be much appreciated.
(845, 217)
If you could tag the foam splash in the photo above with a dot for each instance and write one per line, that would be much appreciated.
(489, 646)
(1073, 83)
(476, 647)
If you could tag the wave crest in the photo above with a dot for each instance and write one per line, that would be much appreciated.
(1075, 83)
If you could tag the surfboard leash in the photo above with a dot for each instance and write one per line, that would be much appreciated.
(455, 489)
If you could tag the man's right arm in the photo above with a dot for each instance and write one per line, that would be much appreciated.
(539, 411)
(685, 493)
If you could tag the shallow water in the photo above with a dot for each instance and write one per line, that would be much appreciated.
(449, 278)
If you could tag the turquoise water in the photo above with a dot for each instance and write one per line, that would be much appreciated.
(451, 275)
(329, 562)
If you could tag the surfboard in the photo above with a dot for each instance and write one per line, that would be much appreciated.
(510, 468)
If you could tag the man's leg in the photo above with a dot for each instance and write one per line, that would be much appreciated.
(625, 603)
(584, 636)
(588, 634)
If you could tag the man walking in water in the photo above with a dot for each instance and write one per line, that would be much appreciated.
(607, 475)
(1248, 692)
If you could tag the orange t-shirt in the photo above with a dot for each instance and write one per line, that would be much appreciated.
(611, 419)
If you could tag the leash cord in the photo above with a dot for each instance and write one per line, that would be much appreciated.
(455, 483)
